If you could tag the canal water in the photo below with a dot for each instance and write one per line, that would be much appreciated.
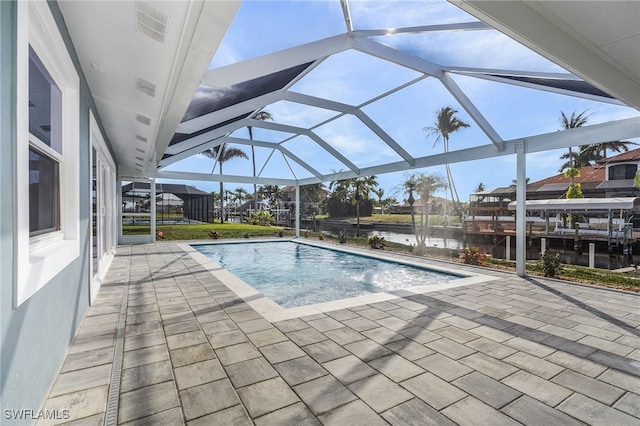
(498, 250)
(410, 239)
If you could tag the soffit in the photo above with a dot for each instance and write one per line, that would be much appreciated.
(142, 81)
(596, 40)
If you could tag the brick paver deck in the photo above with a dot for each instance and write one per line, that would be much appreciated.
(509, 351)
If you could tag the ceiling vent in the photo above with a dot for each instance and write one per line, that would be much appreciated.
(146, 87)
(142, 138)
(151, 21)
(144, 120)
(140, 150)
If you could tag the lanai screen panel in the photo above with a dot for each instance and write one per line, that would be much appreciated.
(345, 105)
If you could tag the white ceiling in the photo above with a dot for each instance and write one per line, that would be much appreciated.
(596, 42)
(105, 33)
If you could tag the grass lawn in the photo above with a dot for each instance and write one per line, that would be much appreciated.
(201, 231)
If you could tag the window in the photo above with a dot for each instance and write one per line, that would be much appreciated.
(44, 210)
(47, 152)
(45, 149)
(622, 171)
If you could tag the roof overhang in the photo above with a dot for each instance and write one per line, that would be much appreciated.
(622, 203)
(596, 40)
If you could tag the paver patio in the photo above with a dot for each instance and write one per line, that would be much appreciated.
(509, 351)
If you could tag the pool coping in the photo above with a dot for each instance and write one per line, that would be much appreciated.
(273, 312)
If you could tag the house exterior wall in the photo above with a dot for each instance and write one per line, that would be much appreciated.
(35, 335)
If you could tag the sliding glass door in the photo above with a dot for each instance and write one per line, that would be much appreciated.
(103, 213)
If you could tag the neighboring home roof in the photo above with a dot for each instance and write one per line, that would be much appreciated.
(631, 155)
(587, 174)
(162, 188)
(595, 173)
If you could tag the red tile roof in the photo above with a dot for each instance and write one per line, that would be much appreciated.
(587, 174)
(595, 173)
(631, 155)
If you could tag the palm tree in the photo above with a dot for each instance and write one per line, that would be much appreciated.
(582, 158)
(480, 188)
(262, 116)
(240, 195)
(424, 186)
(409, 186)
(379, 193)
(589, 154)
(314, 192)
(222, 154)
(571, 123)
(600, 149)
(447, 123)
(270, 192)
(360, 189)
(355, 190)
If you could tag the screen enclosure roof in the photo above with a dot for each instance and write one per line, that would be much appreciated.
(350, 86)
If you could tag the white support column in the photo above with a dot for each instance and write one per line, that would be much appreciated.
(543, 245)
(592, 255)
(521, 197)
(152, 187)
(507, 249)
(297, 211)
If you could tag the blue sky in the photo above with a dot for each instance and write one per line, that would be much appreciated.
(263, 27)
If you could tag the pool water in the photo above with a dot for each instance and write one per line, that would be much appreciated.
(295, 274)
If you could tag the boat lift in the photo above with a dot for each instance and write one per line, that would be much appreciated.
(590, 207)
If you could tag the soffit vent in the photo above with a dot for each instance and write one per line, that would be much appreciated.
(145, 86)
(140, 150)
(142, 138)
(151, 21)
(144, 120)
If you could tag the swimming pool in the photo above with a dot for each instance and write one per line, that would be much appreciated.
(296, 274)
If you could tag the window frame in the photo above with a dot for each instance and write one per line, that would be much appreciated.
(40, 258)
(617, 166)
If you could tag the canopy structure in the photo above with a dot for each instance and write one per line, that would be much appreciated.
(161, 103)
(315, 135)
(581, 204)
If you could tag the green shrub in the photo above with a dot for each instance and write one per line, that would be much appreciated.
(260, 217)
(550, 263)
(473, 256)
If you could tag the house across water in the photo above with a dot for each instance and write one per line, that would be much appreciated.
(607, 215)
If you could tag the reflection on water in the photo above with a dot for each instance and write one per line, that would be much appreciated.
(410, 239)
(603, 260)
